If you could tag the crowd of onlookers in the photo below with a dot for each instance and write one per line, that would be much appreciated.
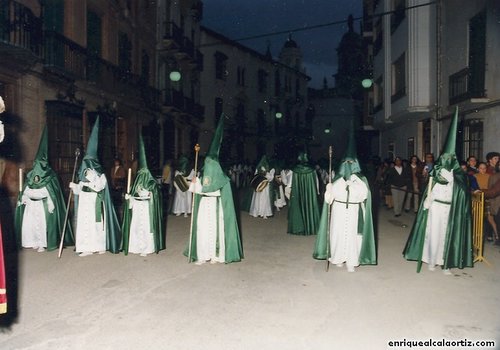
(400, 184)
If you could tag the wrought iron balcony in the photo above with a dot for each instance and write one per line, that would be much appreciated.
(69, 60)
(20, 35)
(464, 85)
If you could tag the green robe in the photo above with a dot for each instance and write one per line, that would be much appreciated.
(214, 179)
(54, 220)
(367, 255)
(303, 212)
(145, 180)
(458, 250)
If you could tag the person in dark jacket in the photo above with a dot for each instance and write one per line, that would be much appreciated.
(399, 178)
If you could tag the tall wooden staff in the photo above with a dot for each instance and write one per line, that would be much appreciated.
(330, 154)
(63, 233)
(196, 150)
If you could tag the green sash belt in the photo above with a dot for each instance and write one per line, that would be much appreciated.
(442, 202)
(98, 202)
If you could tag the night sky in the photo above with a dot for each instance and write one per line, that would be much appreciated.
(238, 19)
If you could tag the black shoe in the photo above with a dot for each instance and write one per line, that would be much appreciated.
(407, 210)
(397, 215)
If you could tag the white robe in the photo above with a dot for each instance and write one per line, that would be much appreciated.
(280, 200)
(261, 201)
(437, 220)
(209, 225)
(34, 226)
(141, 239)
(182, 200)
(90, 234)
(345, 242)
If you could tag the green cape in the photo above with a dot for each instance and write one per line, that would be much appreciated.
(215, 179)
(349, 166)
(458, 242)
(90, 161)
(47, 178)
(232, 240)
(458, 250)
(367, 255)
(144, 179)
(303, 211)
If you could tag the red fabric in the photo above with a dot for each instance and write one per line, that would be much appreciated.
(3, 288)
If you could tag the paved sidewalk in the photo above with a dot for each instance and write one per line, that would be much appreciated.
(277, 298)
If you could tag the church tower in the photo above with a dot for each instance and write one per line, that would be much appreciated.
(351, 64)
(291, 55)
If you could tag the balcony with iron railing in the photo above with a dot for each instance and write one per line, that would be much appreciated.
(20, 35)
(466, 85)
(63, 57)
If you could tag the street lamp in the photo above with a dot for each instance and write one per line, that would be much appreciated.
(367, 83)
(175, 75)
(278, 115)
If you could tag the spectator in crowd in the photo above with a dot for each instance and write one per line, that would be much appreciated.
(493, 195)
(483, 182)
(399, 179)
(415, 167)
(492, 162)
(424, 175)
(118, 183)
(472, 165)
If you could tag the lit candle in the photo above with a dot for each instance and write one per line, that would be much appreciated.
(20, 180)
(129, 179)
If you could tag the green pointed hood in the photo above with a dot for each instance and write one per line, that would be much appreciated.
(214, 148)
(448, 158)
(41, 173)
(263, 165)
(144, 180)
(143, 163)
(182, 165)
(214, 177)
(90, 159)
(350, 164)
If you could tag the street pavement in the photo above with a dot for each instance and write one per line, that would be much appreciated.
(278, 297)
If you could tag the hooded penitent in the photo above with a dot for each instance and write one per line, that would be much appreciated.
(183, 165)
(90, 161)
(458, 240)
(214, 179)
(43, 176)
(303, 213)
(144, 180)
(349, 166)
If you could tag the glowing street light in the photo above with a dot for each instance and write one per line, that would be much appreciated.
(367, 83)
(175, 75)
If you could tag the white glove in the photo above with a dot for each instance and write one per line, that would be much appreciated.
(76, 188)
(2, 132)
(127, 196)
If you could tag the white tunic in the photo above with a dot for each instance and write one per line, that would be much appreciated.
(261, 201)
(34, 226)
(182, 200)
(209, 226)
(345, 242)
(437, 220)
(90, 233)
(141, 239)
(280, 200)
